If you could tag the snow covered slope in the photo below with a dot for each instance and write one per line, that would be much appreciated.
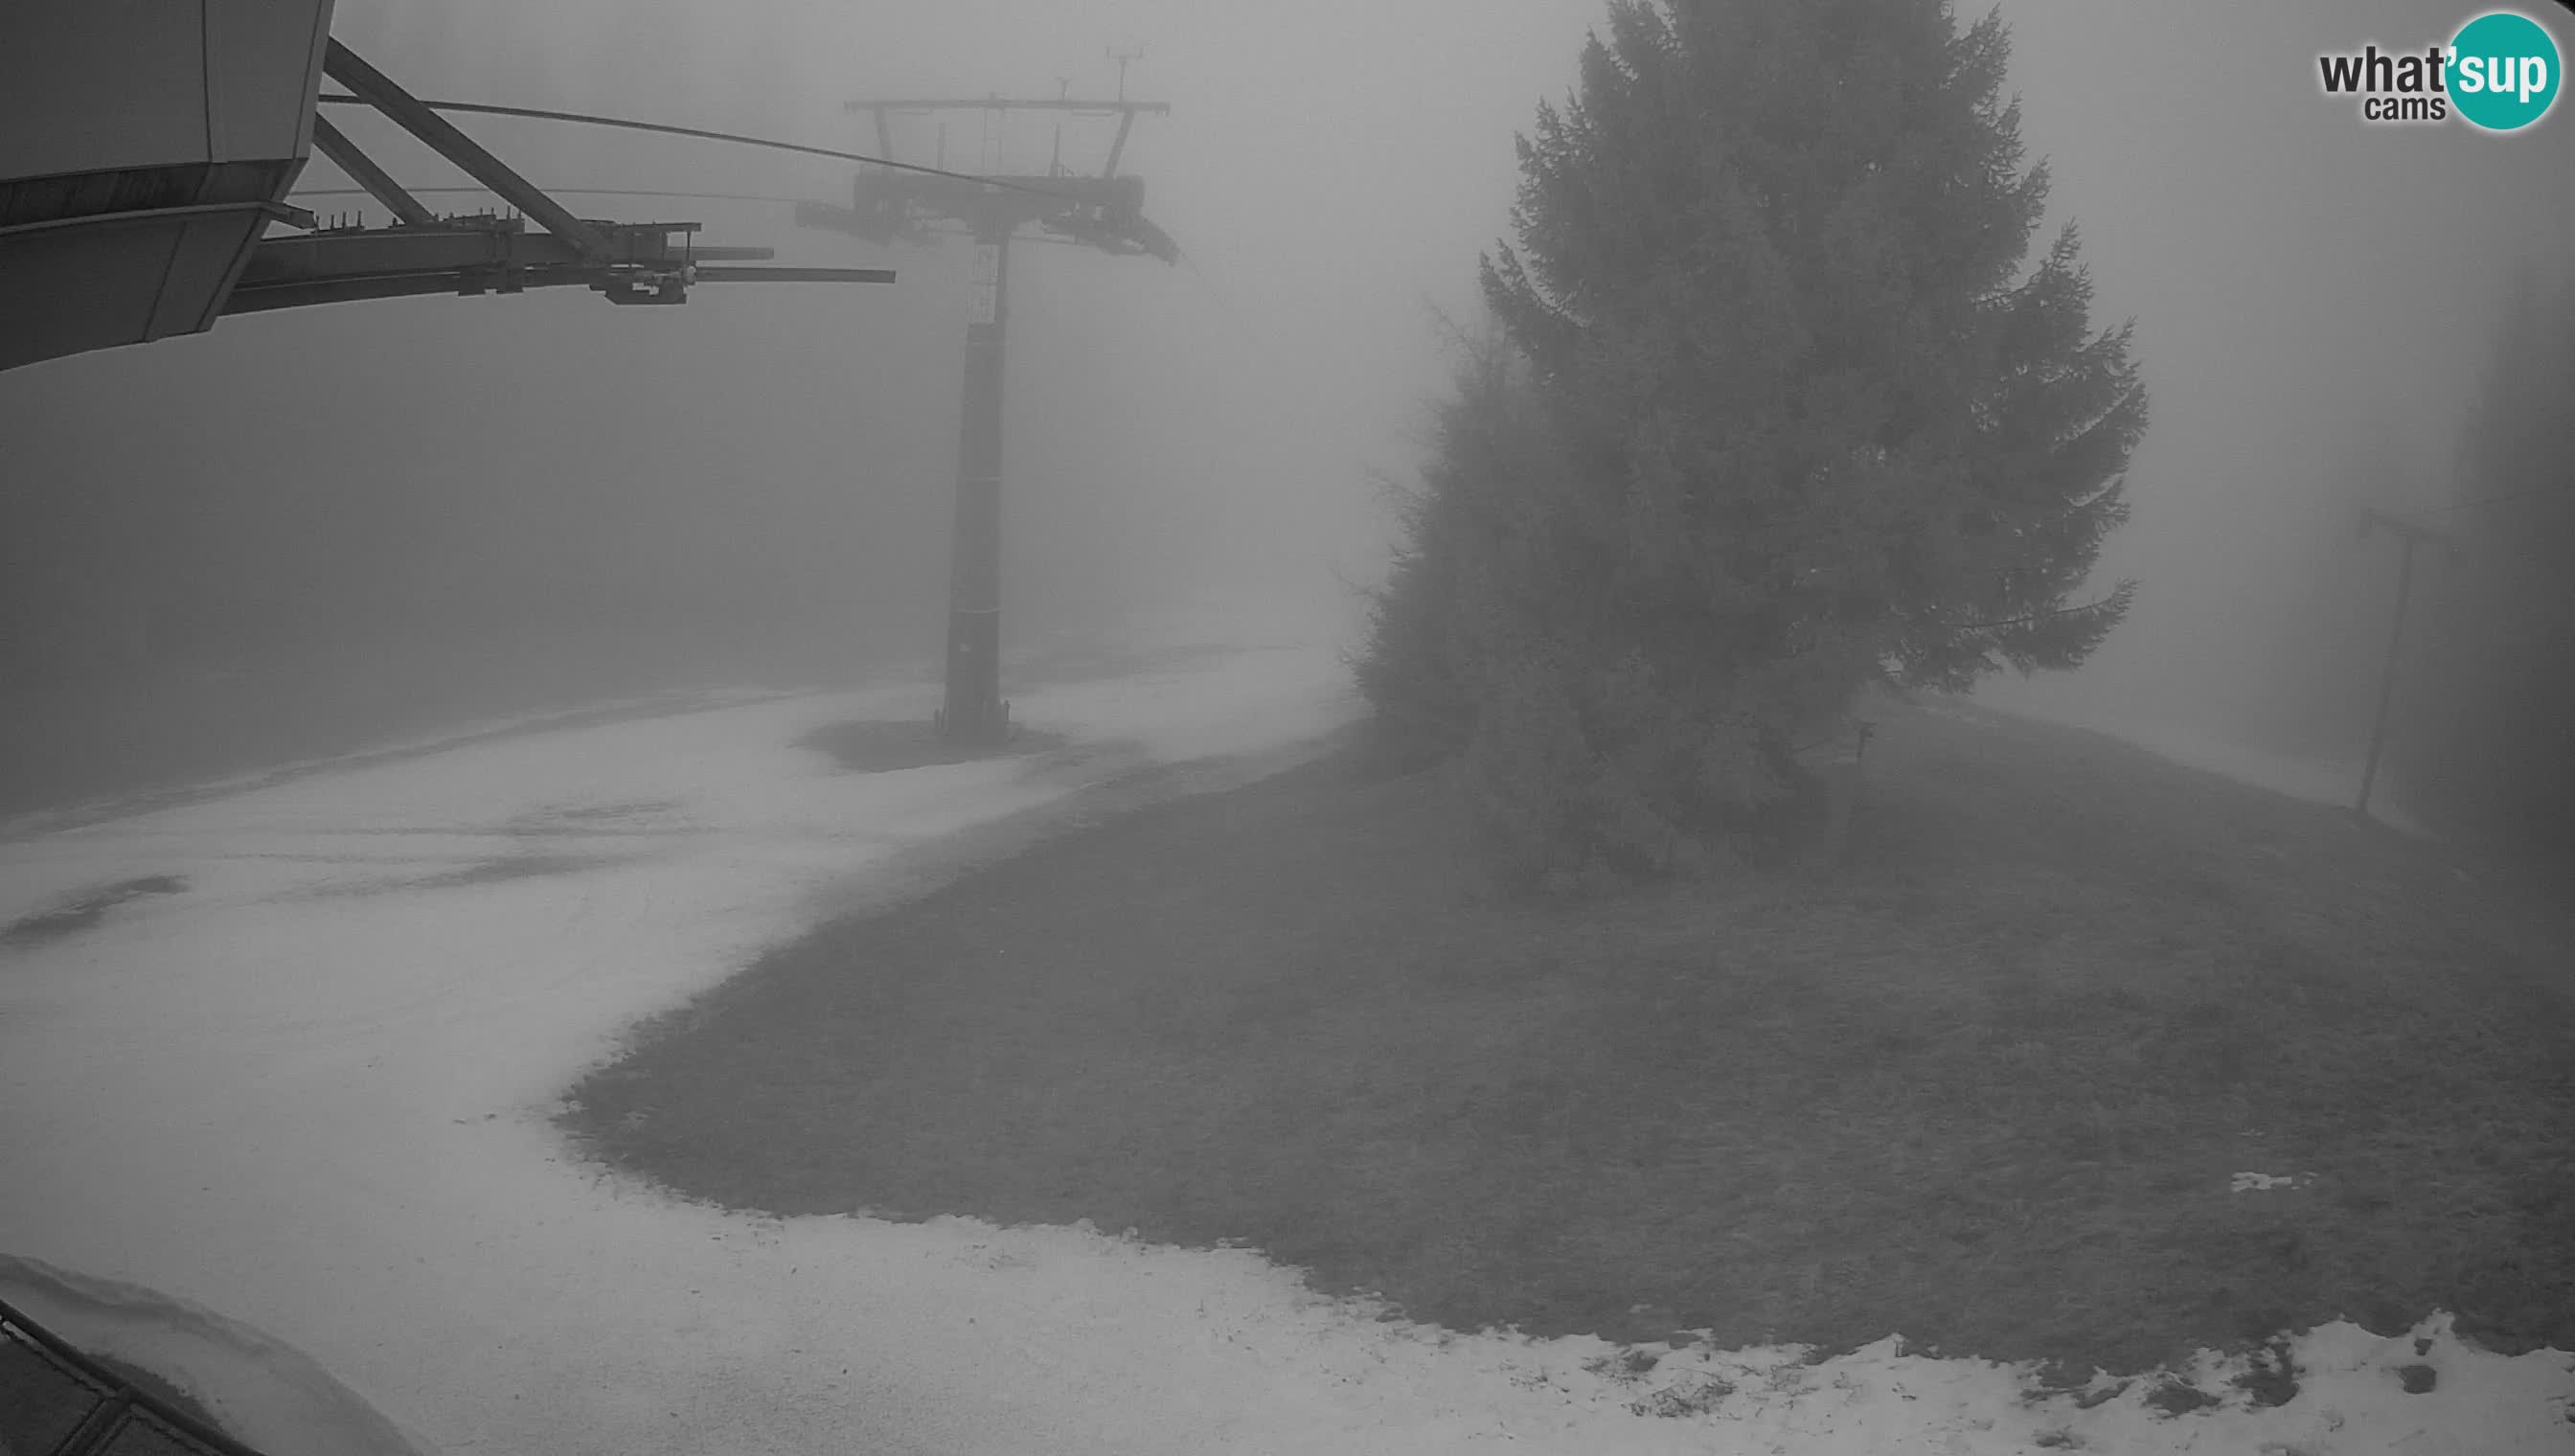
(306, 1083)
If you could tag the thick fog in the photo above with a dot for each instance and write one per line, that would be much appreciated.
(2315, 299)
(759, 483)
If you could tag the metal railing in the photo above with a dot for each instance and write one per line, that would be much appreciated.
(57, 1401)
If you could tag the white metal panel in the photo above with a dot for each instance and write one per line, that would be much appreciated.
(89, 85)
(263, 65)
(94, 85)
(123, 278)
(203, 259)
(90, 288)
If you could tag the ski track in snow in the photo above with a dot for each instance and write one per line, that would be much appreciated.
(310, 1090)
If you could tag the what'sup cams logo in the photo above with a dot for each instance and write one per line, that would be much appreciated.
(2499, 74)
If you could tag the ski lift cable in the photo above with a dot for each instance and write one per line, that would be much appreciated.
(332, 98)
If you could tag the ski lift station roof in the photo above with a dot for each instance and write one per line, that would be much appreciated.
(144, 147)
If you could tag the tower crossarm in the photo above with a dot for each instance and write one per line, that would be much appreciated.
(1007, 103)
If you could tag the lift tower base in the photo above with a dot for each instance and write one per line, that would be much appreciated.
(1106, 212)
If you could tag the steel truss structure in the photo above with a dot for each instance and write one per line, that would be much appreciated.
(1106, 212)
(143, 167)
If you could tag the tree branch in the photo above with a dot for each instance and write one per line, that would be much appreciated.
(2035, 616)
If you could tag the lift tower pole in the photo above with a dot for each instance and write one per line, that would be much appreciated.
(2413, 534)
(1106, 212)
(972, 710)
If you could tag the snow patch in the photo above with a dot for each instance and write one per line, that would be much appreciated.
(327, 1114)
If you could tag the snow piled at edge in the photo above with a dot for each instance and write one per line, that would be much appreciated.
(311, 1090)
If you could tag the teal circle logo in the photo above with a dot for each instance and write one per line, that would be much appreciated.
(2503, 71)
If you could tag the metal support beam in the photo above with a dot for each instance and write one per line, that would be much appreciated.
(307, 293)
(645, 262)
(1104, 213)
(2413, 534)
(497, 243)
(705, 273)
(378, 90)
(362, 170)
(973, 712)
(1117, 148)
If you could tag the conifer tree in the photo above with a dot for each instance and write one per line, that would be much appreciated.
(1812, 416)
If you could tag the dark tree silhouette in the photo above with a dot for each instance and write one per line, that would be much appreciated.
(1779, 406)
